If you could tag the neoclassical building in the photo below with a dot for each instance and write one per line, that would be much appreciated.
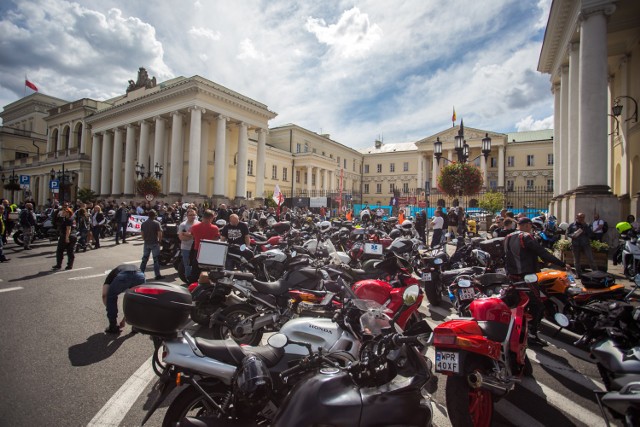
(211, 142)
(591, 50)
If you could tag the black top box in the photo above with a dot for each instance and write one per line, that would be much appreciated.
(158, 309)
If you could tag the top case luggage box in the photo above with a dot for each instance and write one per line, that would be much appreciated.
(158, 309)
(597, 280)
(495, 247)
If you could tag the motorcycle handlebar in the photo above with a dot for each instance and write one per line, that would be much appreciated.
(239, 275)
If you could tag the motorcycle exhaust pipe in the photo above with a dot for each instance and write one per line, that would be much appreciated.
(477, 380)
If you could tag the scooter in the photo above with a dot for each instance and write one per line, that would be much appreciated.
(484, 356)
(628, 254)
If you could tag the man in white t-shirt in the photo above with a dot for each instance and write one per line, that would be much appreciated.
(436, 224)
(597, 227)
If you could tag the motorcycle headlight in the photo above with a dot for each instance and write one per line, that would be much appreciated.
(437, 261)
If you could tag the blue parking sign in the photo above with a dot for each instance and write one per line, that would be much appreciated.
(25, 179)
(54, 185)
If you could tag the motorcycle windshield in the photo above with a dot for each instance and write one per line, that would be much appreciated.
(373, 319)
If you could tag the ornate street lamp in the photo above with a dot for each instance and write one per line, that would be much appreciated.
(157, 170)
(462, 148)
(65, 179)
(437, 149)
(617, 108)
(12, 184)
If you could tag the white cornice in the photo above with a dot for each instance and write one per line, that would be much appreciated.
(561, 26)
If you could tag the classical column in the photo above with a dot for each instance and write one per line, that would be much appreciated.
(571, 115)
(593, 102)
(107, 153)
(44, 191)
(195, 150)
(330, 186)
(83, 138)
(143, 148)
(59, 140)
(116, 184)
(220, 163)
(204, 156)
(419, 178)
(623, 78)
(260, 163)
(159, 145)
(96, 155)
(318, 186)
(434, 173)
(426, 162)
(501, 166)
(177, 154)
(129, 158)
(309, 172)
(243, 157)
(557, 141)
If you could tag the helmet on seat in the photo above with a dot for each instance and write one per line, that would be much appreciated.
(538, 222)
(324, 226)
(407, 224)
(395, 233)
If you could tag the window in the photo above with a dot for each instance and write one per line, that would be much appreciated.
(392, 167)
(493, 162)
(509, 185)
(550, 185)
(306, 147)
(313, 179)
(298, 177)
(21, 155)
(274, 172)
(550, 159)
(366, 188)
(392, 187)
(306, 178)
(529, 185)
(379, 167)
(405, 187)
(249, 195)
(493, 184)
(338, 162)
(366, 168)
(378, 188)
(345, 163)
(511, 161)
(530, 160)
(250, 167)
(405, 166)
(298, 148)
(284, 174)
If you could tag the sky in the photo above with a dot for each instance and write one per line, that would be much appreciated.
(357, 70)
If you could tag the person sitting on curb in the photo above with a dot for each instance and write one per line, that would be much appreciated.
(120, 279)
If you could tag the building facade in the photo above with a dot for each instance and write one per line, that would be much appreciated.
(591, 50)
(211, 142)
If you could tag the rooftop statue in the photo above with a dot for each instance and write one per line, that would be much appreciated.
(143, 81)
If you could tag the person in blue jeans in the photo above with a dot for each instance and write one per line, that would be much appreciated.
(120, 279)
(186, 239)
(151, 231)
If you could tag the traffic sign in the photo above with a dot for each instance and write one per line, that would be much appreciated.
(54, 184)
(25, 181)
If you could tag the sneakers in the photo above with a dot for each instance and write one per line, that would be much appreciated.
(112, 329)
(536, 340)
(56, 267)
(68, 267)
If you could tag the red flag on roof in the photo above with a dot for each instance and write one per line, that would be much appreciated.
(30, 85)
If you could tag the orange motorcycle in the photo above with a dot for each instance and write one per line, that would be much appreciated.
(561, 294)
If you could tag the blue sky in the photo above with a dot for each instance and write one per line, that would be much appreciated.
(352, 69)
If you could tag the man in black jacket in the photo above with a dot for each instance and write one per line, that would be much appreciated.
(522, 253)
(122, 220)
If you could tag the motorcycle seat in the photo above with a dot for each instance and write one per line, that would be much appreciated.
(278, 287)
(261, 243)
(230, 352)
(491, 279)
(495, 331)
(448, 277)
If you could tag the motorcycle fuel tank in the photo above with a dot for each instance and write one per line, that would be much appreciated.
(319, 333)
(376, 290)
(490, 309)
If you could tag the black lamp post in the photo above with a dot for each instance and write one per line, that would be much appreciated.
(157, 170)
(462, 148)
(617, 108)
(65, 179)
(13, 179)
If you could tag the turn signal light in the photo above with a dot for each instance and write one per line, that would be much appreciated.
(179, 379)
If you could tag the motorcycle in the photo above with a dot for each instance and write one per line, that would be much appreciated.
(432, 263)
(218, 376)
(628, 254)
(484, 356)
(170, 244)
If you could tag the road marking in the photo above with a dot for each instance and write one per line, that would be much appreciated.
(87, 277)
(562, 403)
(72, 270)
(131, 262)
(114, 411)
(17, 288)
(565, 370)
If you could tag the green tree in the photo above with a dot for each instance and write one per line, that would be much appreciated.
(492, 202)
(87, 195)
(460, 179)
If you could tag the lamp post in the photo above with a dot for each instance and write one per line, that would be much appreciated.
(462, 148)
(13, 179)
(157, 170)
(617, 108)
(65, 179)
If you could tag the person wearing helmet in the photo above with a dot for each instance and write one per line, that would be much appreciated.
(538, 223)
(407, 227)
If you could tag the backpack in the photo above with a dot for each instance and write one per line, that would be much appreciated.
(605, 227)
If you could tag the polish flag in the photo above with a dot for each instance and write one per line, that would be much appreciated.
(30, 85)
(278, 197)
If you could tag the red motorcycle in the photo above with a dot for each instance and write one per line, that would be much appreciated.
(389, 293)
(484, 356)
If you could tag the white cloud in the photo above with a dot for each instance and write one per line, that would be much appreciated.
(351, 36)
(249, 51)
(528, 123)
(206, 33)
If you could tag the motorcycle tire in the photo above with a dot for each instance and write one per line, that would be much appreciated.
(202, 311)
(18, 239)
(433, 294)
(474, 411)
(190, 403)
(165, 258)
(231, 316)
(179, 266)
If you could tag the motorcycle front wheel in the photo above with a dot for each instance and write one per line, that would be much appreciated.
(191, 403)
(18, 238)
(468, 407)
(232, 316)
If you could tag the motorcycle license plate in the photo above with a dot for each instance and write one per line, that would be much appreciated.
(426, 277)
(373, 248)
(466, 293)
(447, 361)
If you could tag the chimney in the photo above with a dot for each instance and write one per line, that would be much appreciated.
(378, 143)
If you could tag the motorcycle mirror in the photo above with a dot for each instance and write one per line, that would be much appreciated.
(293, 254)
(530, 278)
(437, 261)
(410, 295)
(561, 320)
(464, 283)
(278, 340)
(243, 247)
